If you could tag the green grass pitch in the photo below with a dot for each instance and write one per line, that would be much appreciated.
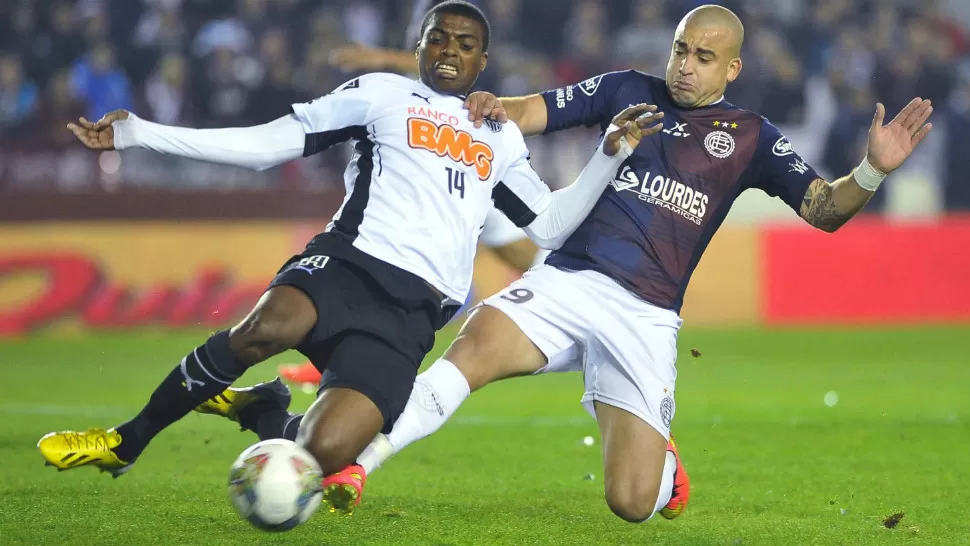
(770, 462)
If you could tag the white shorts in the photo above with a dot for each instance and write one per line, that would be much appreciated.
(583, 320)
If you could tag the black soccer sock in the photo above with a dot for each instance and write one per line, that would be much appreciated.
(269, 422)
(205, 372)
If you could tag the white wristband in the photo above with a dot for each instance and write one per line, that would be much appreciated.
(867, 176)
(625, 149)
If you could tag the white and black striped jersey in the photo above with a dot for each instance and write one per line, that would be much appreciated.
(423, 178)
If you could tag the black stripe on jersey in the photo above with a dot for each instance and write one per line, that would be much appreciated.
(353, 212)
(380, 160)
(513, 207)
(315, 143)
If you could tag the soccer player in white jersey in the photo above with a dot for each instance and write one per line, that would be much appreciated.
(606, 301)
(499, 237)
(364, 300)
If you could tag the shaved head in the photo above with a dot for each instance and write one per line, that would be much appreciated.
(719, 20)
(705, 57)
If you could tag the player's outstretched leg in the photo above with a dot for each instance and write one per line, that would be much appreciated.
(364, 389)
(642, 470)
(489, 347)
(335, 430)
(279, 321)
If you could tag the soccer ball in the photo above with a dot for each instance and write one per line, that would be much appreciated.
(275, 485)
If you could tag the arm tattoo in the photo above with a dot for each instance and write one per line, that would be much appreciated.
(819, 208)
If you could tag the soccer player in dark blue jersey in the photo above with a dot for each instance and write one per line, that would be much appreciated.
(607, 301)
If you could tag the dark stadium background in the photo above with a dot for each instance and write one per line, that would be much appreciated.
(831, 387)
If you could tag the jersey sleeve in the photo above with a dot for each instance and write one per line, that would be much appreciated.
(521, 195)
(338, 116)
(589, 103)
(783, 172)
(499, 230)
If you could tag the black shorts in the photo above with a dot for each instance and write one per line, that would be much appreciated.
(375, 322)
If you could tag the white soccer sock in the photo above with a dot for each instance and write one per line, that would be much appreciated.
(666, 482)
(378, 451)
(436, 396)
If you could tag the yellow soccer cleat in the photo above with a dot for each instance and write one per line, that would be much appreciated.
(229, 402)
(68, 449)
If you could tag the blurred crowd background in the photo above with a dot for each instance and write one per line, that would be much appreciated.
(814, 67)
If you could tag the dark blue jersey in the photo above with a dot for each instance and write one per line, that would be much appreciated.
(651, 225)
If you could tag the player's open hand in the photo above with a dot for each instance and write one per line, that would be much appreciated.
(100, 135)
(482, 104)
(891, 145)
(632, 125)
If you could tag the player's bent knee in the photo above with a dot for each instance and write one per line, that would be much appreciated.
(256, 339)
(490, 346)
(632, 502)
(331, 452)
(337, 427)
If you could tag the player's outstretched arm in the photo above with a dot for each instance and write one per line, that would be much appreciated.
(259, 147)
(569, 206)
(828, 206)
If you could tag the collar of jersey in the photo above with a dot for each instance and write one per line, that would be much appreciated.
(432, 91)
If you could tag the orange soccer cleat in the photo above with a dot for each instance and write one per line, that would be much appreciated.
(681, 494)
(342, 491)
(304, 374)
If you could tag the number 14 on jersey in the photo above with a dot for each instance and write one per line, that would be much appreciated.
(456, 182)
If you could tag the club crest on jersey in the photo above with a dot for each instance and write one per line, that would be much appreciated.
(663, 192)
(719, 144)
(446, 141)
(493, 125)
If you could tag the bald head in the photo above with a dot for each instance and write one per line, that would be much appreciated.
(719, 20)
(705, 57)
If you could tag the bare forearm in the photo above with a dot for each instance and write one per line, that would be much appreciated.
(828, 206)
(528, 112)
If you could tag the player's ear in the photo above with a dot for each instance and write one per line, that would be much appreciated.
(734, 69)
(484, 61)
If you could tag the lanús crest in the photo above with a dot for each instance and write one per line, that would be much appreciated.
(667, 409)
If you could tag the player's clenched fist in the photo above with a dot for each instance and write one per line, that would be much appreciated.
(100, 135)
(632, 125)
